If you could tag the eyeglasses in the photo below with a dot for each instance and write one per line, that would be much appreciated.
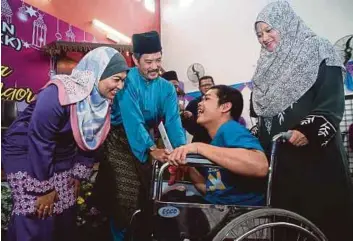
(206, 85)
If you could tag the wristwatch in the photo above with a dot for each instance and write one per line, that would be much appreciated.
(152, 148)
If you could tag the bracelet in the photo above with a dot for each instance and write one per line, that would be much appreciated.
(152, 148)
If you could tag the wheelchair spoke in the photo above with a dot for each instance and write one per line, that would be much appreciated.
(243, 230)
(273, 218)
(233, 234)
(298, 238)
(253, 225)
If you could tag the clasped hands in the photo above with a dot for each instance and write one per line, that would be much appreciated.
(45, 203)
(177, 156)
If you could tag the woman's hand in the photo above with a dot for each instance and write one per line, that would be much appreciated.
(298, 139)
(45, 204)
(187, 114)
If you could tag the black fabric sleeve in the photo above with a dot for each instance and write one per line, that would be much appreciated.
(252, 111)
(255, 129)
(321, 125)
(190, 124)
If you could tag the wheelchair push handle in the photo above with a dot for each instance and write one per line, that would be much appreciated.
(279, 138)
(282, 136)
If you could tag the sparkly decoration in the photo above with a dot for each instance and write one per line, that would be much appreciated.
(22, 14)
(31, 11)
(70, 35)
(6, 11)
(25, 44)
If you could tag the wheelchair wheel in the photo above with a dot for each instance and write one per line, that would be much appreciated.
(271, 225)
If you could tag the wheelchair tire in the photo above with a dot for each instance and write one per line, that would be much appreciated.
(297, 223)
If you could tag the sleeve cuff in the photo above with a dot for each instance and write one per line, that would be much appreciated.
(29, 184)
(317, 129)
(81, 172)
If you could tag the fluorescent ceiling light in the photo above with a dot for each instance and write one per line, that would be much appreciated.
(113, 38)
(150, 5)
(111, 32)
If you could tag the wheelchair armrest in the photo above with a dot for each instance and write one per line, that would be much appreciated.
(191, 159)
(198, 159)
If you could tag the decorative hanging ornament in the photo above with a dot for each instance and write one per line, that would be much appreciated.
(39, 32)
(21, 13)
(52, 71)
(6, 11)
(58, 35)
(70, 35)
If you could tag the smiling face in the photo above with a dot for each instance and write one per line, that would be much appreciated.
(149, 65)
(110, 86)
(208, 109)
(267, 36)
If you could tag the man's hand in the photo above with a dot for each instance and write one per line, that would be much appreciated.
(298, 139)
(45, 204)
(160, 154)
(76, 183)
(187, 114)
(178, 156)
(181, 107)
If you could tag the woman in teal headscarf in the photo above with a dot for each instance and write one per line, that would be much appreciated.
(50, 147)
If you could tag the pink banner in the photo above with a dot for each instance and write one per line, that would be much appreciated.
(24, 31)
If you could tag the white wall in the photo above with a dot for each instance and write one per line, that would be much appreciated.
(219, 33)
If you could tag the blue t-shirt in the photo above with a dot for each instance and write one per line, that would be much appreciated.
(225, 187)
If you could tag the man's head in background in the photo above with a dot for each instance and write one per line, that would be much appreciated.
(147, 54)
(172, 77)
(205, 83)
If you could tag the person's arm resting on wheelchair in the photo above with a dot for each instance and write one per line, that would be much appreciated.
(232, 146)
(240, 161)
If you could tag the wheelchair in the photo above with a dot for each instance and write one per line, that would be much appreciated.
(184, 221)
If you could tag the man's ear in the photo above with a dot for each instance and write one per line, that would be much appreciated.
(226, 107)
(136, 62)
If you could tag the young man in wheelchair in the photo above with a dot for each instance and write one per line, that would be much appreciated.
(241, 179)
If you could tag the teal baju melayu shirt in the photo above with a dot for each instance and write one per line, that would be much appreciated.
(140, 106)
